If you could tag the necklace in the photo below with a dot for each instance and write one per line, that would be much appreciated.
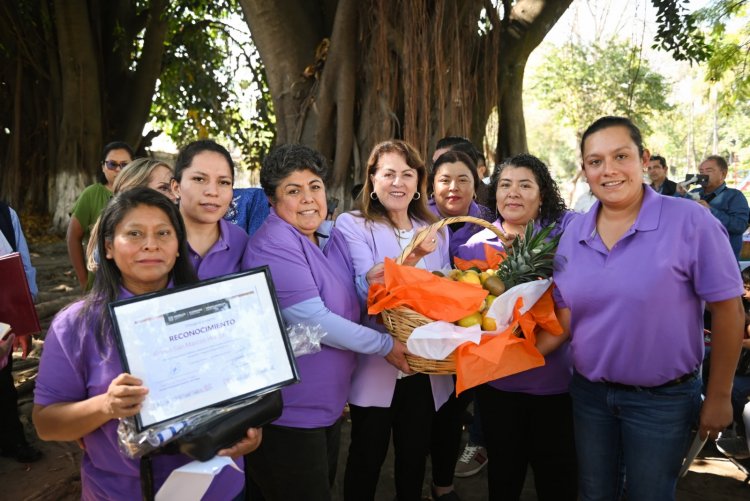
(402, 235)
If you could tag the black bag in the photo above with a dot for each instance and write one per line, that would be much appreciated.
(223, 431)
(219, 433)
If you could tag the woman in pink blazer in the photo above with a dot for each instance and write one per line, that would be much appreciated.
(383, 400)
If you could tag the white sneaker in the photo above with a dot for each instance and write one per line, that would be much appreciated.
(472, 460)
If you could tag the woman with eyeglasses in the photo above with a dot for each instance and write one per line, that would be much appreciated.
(90, 204)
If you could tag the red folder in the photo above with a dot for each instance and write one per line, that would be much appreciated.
(16, 305)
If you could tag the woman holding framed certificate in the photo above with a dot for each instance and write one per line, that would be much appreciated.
(202, 183)
(314, 282)
(81, 390)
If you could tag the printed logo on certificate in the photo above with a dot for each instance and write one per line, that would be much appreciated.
(204, 345)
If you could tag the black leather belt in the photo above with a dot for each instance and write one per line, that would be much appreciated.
(680, 380)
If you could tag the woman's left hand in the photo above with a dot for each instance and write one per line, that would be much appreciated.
(428, 245)
(244, 446)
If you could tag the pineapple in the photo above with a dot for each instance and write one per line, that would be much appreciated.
(529, 257)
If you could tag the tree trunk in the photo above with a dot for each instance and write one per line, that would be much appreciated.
(139, 86)
(81, 117)
(416, 70)
(521, 32)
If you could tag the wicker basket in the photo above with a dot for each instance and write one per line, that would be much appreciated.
(401, 321)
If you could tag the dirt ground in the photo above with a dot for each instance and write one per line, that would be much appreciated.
(56, 475)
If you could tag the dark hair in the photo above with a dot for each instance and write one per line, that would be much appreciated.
(453, 156)
(189, 151)
(108, 279)
(469, 150)
(610, 121)
(553, 205)
(114, 145)
(720, 161)
(450, 141)
(746, 276)
(660, 159)
(373, 210)
(287, 159)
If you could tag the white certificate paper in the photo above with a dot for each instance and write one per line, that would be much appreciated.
(212, 343)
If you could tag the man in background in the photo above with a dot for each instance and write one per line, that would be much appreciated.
(728, 205)
(657, 172)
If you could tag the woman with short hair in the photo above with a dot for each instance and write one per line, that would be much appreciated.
(314, 281)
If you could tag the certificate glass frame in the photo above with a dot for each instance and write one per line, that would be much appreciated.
(204, 345)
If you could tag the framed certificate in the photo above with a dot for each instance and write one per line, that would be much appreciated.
(203, 345)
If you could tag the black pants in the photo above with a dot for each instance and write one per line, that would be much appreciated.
(409, 419)
(521, 430)
(295, 463)
(11, 429)
(446, 437)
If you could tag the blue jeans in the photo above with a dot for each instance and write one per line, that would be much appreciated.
(641, 434)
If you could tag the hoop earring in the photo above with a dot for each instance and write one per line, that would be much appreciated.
(373, 195)
(417, 196)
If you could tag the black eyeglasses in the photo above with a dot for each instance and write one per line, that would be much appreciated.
(112, 165)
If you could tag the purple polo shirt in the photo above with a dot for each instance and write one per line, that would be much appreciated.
(302, 271)
(225, 255)
(637, 309)
(554, 376)
(73, 368)
(460, 236)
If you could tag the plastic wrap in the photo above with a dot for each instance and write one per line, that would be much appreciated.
(135, 445)
(304, 340)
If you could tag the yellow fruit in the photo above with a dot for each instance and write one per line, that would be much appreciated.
(484, 276)
(489, 324)
(454, 274)
(489, 300)
(468, 321)
(470, 278)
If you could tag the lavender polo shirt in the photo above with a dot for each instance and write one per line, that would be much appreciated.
(225, 255)
(73, 369)
(637, 309)
(302, 271)
(552, 378)
(460, 236)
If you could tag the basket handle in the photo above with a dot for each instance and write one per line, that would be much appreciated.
(422, 234)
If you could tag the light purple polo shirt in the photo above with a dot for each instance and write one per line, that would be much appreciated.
(554, 376)
(637, 309)
(302, 271)
(225, 255)
(73, 369)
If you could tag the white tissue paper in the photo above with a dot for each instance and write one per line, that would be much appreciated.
(437, 340)
(502, 308)
(191, 481)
